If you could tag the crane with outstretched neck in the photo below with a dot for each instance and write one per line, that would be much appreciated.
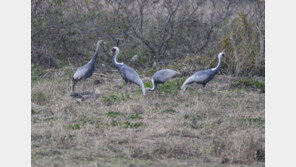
(86, 71)
(204, 76)
(128, 74)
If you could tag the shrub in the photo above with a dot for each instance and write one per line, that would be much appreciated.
(179, 34)
(244, 45)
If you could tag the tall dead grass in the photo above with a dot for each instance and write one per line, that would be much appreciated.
(220, 126)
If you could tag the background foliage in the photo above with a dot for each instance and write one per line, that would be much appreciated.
(185, 35)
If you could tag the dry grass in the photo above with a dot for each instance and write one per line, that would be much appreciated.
(220, 126)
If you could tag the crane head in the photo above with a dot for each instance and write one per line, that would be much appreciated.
(222, 54)
(100, 42)
(114, 49)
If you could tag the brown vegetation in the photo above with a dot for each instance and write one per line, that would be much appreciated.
(169, 32)
(223, 125)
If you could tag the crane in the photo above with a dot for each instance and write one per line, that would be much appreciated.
(128, 74)
(86, 71)
(204, 76)
(161, 76)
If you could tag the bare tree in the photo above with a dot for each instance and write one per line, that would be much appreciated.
(159, 32)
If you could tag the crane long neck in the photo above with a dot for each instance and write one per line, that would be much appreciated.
(114, 59)
(218, 66)
(93, 60)
(153, 86)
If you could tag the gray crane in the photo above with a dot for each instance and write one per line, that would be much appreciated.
(204, 76)
(128, 74)
(161, 76)
(86, 71)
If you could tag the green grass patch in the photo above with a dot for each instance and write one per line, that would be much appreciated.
(110, 100)
(128, 124)
(170, 111)
(170, 87)
(113, 99)
(135, 116)
(74, 126)
(80, 123)
(254, 121)
(51, 119)
(249, 83)
(85, 120)
(148, 84)
(122, 97)
(126, 121)
(42, 111)
(113, 114)
(114, 123)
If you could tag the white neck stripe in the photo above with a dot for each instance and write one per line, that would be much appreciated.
(116, 53)
(152, 84)
(219, 58)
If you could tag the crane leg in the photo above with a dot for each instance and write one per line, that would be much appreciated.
(158, 91)
(204, 87)
(132, 89)
(73, 86)
(83, 88)
(126, 89)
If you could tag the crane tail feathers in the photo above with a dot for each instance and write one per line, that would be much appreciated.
(143, 88)
(185, 83)
(141, 84)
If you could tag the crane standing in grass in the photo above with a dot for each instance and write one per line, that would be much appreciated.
(161, 76)
(204, 76)
(127, 73)
(86, 71)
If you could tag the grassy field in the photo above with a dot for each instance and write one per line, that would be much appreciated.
(223, 125)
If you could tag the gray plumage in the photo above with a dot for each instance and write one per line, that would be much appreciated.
(86, 71)
(161, 76)
(204, 76)
(128, 74)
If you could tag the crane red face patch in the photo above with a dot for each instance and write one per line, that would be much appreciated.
(113, 49)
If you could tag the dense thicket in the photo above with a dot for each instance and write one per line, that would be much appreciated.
(186, 35)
